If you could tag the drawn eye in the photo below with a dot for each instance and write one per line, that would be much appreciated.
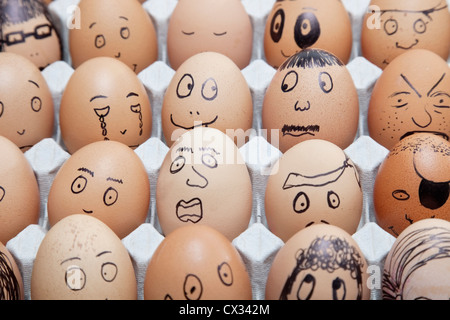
(420, 26)
(306, 287)
(177, 164)
(441, 100)
(36, 104)
(325, 82)
(306, 30)
(79, 184)
(277, 25)
(209, 89)
(193, 288)
(109, 271)
(209, 161)
(225, 274)
(301, 202)
(185, 86)
(390, 26)
(100, 41)
(125, 33)
(339, 290)
(75, 278)
(110, 196)
(290, 81)
(400, 195)
(333, 200)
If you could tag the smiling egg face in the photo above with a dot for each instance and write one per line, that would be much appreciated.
(295, 25)
(105, 179)
(221, 26)
(114, 28)
(311, 96)
(391, 28)
(203, 180)
(207, 90)
(413, 183)
(26, 104)
(412, 95)
(104, 100)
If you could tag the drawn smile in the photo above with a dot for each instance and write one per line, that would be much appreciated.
(298, 130)
(441, 134)
(406, 48)
(201, 124)
(88, 211)
(21, 132)
(191, 210)
(287, 55)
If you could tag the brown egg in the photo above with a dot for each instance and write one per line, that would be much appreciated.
(117, 29)
(26, 104)
(204, 180)
(418, 265)
(104, 100)
(321, 262)
(196, 263)
(27, 29)
(391, 28)
(412, 95)
(19, 191)
(106, 180)
(413, 183)
(202, 25)
(208, 90)
(313, 182)
(80, 258)
(312, 95)
(295, 25)
(11, 284)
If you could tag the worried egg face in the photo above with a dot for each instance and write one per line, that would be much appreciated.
(26, 104)
(295, 25)
(113, 28)
(391, 28)
(208, 90)
(105, 179)
(104, 100)
(204, 180)
(221, 26)
(312, 95)
(413, 183)
(412, 95)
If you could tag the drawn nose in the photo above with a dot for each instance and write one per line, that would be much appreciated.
(197, 180)
(421, 118)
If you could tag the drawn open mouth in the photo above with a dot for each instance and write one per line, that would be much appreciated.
(441, 134)
(298, 131)
(406, 48)
(191, 210)
(201, 124)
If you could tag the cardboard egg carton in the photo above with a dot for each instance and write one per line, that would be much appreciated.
(257, 245)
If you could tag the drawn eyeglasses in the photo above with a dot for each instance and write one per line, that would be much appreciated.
(40, 32)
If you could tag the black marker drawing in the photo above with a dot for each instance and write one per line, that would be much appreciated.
(414, 251)
(191, 210)
(306, 30)
(330, 254)
(101, 114)
(299, 130)
(225, 274)
(9, 285)
(2, 193)
(193, 288)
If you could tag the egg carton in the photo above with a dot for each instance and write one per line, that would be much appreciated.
(257, 245)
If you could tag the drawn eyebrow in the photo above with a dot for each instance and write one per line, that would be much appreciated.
(132, 94)
(411, 86)
(69, 259)
(102, 253)
(31, 81)
(114, 180)
(87, 171)
(92, 24)
(98, 97)
(436, 84)
(398, 93)
(220, 34)
(124, 18)
(188, 33)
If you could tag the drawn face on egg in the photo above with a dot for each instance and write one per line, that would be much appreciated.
(27, 29)
(413, 183)
(300, 24)
(119, 29)
(311, 95)
(104, 100)
(412, 95)
(394, 27)
(26, 104)
(197, 181)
